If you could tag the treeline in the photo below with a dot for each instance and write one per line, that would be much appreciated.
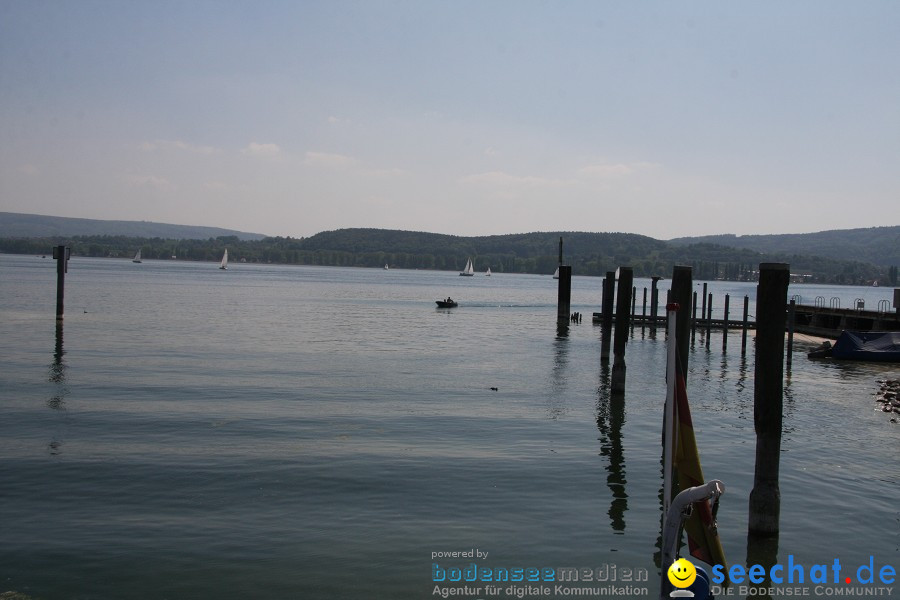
(876, 245)
(588, 253)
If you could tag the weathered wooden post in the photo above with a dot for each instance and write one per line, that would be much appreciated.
(703, 312)
(61, 254)
(564, 295)
(746, 325)
(609, 291)
(623, 302)
(708, 319)
(693, 316)
(771, 299)
(654, 302)
(725, 323)
(680, 294)
(792, 307)
(644, 314)
(633, 305)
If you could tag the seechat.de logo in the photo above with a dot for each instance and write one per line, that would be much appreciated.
(688, 581)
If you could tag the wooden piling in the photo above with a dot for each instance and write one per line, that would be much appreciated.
(654, 301)
(609, 291)
(623, 303)
(790, 325)
(725, 323)
(693, 316)
(644, 313)
(771, 299)
(564, 294)
(61, 254)
(746, 324)
(708, 318)
(703, 312)
(682, 285)
(633, 305)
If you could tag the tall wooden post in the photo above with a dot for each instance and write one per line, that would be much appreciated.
(644, 313)
(654, 301)
(693, 316)
(703, 312)
(633, 304)
(61, 254)
(771, 300)
(792, 307)
(564, 295)
(609, 290)
(708, 319)
(725, 323)
(623, 304)
(682, 286)
(746, 324)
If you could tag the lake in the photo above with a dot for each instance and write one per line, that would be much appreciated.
(313, 432)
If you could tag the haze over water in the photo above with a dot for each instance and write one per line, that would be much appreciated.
(289, 432)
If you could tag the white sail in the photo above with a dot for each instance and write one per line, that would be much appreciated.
(488, 272)
(469, 271)
(556, 274)
(137, 257)
(224, 264)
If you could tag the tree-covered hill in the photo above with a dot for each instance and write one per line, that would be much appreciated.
(588, 253)
(876, 245)
(21, 225)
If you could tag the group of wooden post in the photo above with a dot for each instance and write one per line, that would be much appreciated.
(771, 321)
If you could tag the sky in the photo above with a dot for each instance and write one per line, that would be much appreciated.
(661, 118)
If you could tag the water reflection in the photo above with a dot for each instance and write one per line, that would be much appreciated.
(610, 420)
(761, 551)
(742, 374)
(57, 375)
(57, 372)
(555, 405)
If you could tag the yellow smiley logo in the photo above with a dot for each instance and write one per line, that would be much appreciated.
(682, 573)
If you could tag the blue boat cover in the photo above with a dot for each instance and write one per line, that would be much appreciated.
(881, 346)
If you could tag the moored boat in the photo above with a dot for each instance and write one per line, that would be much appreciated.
(872, 346)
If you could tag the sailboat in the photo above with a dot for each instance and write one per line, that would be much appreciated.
(556, 273)
(224, 264)
(386, 266)
(469, 271)
(137, 257)
(488, 272)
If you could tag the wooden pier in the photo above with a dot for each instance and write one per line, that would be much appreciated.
(648, 321)
(818, 320)
(824, 321)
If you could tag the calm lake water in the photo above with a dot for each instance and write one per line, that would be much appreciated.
(310, 432)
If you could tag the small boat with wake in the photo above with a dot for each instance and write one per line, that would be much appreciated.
(448, 302)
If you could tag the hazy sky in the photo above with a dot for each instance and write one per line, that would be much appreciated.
(665, 118)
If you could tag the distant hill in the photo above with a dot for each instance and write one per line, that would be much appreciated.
(876, 245)
(20, 225)
(588, 253)
(853, 256)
